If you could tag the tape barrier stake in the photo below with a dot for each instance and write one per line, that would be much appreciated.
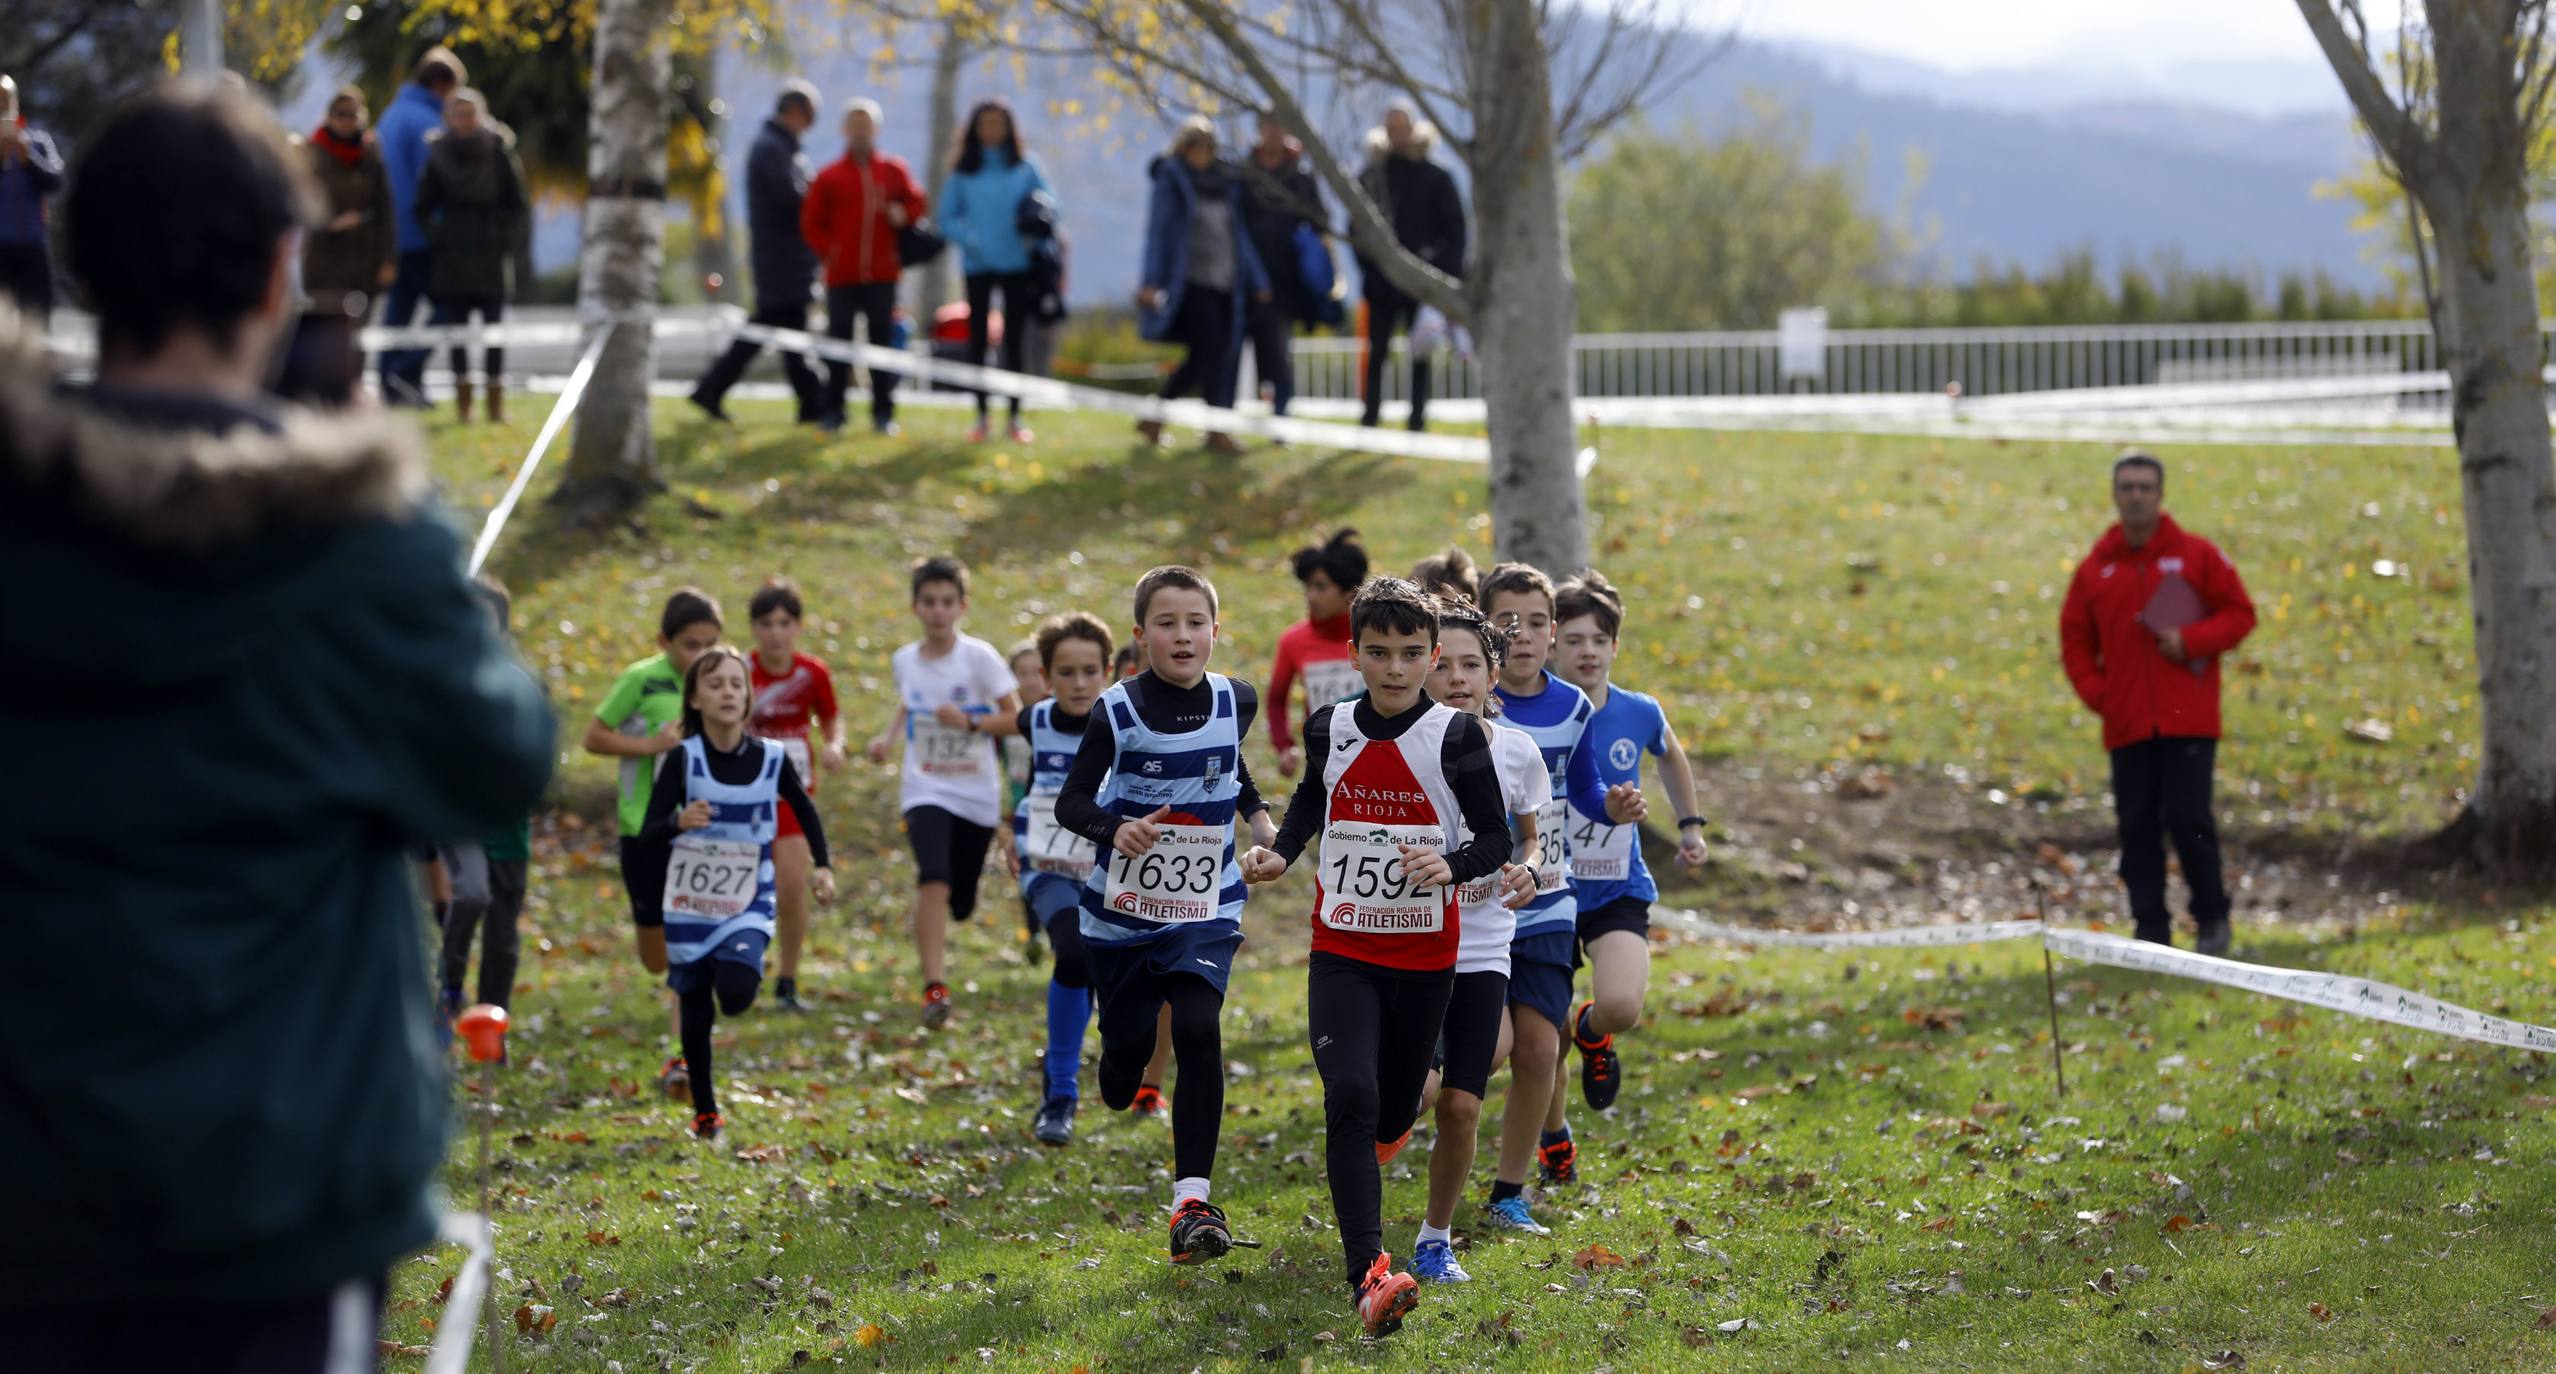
(560, 409)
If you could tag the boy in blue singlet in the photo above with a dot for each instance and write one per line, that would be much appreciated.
(1518, 599)
(1158, 785)
(1614, 885)
(1056, 863)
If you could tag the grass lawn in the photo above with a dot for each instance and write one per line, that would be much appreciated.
(1818, 1157)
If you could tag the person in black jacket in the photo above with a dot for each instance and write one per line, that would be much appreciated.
(777, 176)
(1420, 200)
(284, 687)
(1279, 199)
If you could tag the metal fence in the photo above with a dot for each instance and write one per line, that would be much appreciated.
(1986, 362)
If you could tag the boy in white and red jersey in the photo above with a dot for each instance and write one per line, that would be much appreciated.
(1394, 783)
(794, 708)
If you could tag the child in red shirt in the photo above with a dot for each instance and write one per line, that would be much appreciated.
(1318, 645)
(793, 700)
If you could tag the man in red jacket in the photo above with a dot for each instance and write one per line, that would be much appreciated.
(851, 217)
(2149, 614)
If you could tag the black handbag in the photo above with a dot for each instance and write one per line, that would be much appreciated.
(918, 243)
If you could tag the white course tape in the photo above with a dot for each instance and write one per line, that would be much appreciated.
(1893, 937)
(1056, 395)
(460, 1323)
(569, 396)
(2352, 996)
(2362, 997)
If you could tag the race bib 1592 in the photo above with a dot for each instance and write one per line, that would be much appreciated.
(1363, 886)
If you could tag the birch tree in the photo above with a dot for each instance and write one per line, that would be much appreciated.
(2455, 127)
(1516, 88)
(612, 458)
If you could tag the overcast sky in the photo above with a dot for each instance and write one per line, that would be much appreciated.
(1984, 33)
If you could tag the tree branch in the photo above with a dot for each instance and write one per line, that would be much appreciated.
(2399, 138)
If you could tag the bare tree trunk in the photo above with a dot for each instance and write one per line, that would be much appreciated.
(1524, 302)
(612, 459)
(2476, 197)
(940, 275)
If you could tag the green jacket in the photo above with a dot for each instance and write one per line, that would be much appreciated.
(247, 680)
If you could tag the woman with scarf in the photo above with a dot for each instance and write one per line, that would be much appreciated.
(1201, 271)
(353, 254)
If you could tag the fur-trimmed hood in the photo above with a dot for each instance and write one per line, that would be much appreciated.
(1424, 141)
(184, 490)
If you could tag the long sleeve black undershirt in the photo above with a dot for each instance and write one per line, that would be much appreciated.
(1166, 710)
(1471, 774)
(735, 769)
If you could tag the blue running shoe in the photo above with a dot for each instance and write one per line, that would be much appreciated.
(1435, 1262)
(1511, 1214)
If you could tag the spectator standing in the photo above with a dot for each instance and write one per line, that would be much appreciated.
(241, 1132)
(2149, 615)
(1280, 202)
(353, 253)
(472, 205)
(981, 212)
(853, 218)
(1200, 272)
(414, 117)
(30, 172)
(1420, 201)
(777, 177)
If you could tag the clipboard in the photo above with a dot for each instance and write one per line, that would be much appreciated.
(2174, 605)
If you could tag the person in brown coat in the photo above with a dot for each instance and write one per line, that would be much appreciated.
(353, 253)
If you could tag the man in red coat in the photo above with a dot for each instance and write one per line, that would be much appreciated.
(2149, 615)
(852, 216)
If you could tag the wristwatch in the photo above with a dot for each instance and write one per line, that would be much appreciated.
(1697, 821)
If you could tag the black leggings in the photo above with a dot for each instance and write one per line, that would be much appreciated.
(733, 985)
(1374, 1030)
(1065, 934)
(1198, 1051)
(1475, 1010)
(1019, 319)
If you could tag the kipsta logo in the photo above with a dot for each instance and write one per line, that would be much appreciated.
(1622, 754)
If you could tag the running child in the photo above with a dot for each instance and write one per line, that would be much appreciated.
(1403, 782)
(1519, 599)
(953, 696)
(1017, 766)
(713, 816)
(794, 708)
(1055, 863)
(1476, 1031)
(1318, 645)
(1614, 886)
(486, 883)
(1449, 575)
(638, 720)
(1158, 784)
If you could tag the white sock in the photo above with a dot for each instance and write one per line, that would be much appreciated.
(1429, 1233)
(1185, 1189)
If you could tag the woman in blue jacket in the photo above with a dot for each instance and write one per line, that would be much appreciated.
(980, 212)
(1200, 271)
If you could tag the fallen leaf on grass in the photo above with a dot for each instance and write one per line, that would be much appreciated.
(1739, 1324)
(2225, 1359)
(1696, 1337)
(1935, 1018)
(762, 1154)
(871, 1334)
(2107, 1283)
(2177, 1224)
(2320, 1311)
(599, 1238)
(532, 1318)
(388, 1349)
(2547, 1319)
(1597, 1257)
(444, 1290)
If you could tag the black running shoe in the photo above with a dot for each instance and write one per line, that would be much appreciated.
(1558, 1162)
(1601, 1073)
(1055, 1122)
(1199, 1233)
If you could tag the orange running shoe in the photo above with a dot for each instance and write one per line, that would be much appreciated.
(1387, 1149)
(1149, 1101)
(1199, 1233)
(1385, 1297)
